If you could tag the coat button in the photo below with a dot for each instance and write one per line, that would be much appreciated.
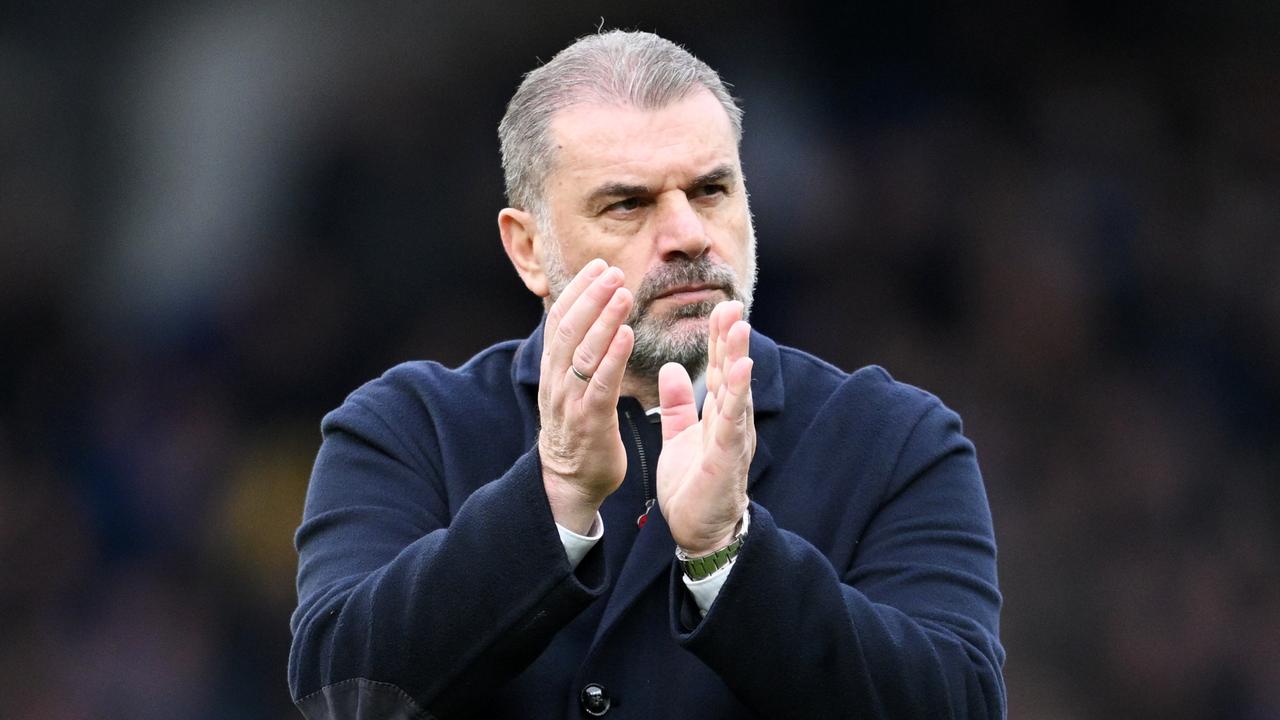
(595, 701)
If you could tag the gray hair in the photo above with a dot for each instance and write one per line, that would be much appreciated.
(638, 69)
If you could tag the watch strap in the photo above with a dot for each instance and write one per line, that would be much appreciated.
(700, 567)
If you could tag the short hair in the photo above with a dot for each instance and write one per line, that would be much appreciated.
(638, 69)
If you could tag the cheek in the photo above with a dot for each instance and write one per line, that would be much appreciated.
(734, 243)
(635, 263)
(574, 245)
(582, 246)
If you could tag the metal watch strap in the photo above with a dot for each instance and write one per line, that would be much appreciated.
(700, 567)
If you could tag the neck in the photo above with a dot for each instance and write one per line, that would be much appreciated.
(642, 388)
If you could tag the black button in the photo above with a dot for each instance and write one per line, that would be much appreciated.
(595, 701)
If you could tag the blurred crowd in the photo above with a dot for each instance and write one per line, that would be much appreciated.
(216, 220)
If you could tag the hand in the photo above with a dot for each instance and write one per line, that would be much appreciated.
(702, 471)
(583, 459)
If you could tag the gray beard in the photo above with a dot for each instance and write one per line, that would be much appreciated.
(670, 337)
(658, 342)
(660, 339)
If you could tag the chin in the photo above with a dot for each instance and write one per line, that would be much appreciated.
(681, 340)
(698, 311)
(688, 332)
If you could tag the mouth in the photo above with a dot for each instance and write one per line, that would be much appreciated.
(685, 294)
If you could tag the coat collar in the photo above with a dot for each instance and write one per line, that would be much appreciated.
(767, 393)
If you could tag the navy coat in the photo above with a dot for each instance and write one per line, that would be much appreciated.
(432, 581)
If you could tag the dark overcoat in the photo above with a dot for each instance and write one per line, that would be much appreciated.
(432, 581)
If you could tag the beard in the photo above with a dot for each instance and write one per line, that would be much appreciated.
(680, 334)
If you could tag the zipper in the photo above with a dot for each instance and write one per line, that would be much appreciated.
(644, 470)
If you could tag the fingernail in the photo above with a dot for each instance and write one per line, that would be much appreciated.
(596, 266)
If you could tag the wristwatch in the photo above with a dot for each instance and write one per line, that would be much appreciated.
(700, 567)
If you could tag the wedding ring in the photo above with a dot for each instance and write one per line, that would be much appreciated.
(578, 373)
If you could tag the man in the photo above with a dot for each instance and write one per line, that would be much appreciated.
(519, 538)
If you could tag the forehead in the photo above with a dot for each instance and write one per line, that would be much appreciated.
(620, 143)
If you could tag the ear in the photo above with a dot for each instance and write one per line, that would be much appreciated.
(519, 232)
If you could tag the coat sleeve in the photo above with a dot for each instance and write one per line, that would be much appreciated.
(405, 610)
(910, 630)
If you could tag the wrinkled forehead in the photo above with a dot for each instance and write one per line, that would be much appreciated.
(597, 140)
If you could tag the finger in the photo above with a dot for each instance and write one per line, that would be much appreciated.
(594, 346)
(725, 355)
(606, 384)
(713, 349)
(675, 400)
(731, 314)
(578, 319)
(580, 282)
(734, 420)
(710, 414)
(731, 317)
(736, 343)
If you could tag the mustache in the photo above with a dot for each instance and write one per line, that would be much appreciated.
(684, 271)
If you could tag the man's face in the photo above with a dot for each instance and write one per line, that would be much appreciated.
(660, 194)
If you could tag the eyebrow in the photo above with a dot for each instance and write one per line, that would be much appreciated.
(718, 174)
(612, 190)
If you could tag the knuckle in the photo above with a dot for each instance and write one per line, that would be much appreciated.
(565, 332)
(584, 359)
(599, 385)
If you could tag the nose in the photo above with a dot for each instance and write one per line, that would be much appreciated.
(680, 229)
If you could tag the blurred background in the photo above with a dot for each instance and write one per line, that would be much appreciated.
(217, 219)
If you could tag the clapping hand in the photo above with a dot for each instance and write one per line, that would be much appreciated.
(585, 347)
(702, 472)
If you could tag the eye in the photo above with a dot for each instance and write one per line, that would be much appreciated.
(710, 190)
(625, 206)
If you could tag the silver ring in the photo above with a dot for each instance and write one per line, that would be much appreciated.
(578, 373)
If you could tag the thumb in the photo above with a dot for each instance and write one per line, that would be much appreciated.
(675, 400)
